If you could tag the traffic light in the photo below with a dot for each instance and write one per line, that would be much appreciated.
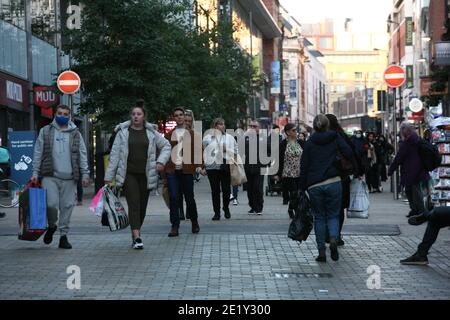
(382, 100)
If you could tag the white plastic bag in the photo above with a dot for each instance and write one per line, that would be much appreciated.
(359, 200)
(114, 211)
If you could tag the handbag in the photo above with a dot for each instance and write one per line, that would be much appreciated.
(114, 213)
(237, 172)
(32, 213)
(302, 224)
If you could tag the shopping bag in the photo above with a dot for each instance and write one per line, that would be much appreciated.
(302, 224)
(97, 203)
(114, 212)
(32, 213)
(237, 172)
(359, 200)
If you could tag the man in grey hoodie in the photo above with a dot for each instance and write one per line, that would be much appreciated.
(60, 157)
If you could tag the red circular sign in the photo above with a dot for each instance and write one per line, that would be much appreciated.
(394, 76)
(69, 82)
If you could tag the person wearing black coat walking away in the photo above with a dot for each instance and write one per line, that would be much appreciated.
(320, 177)
(356, 170)
(384, 149)
(372, 175)
(289, 167)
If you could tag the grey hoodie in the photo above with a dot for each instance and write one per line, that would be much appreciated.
(62, 164)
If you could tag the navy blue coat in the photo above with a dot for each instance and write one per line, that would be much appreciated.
(319, 158)
(411, 171)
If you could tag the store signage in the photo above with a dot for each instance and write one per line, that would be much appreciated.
(14, 91)
(409, 76)
(276, 78)
(21, 146)
(409, 31)
(442, 55)
(45, 97)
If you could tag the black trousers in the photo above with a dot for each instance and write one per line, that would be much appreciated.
(136, 193)
(438, 218)
(220, 181)
(255, 191)
(292, 186)
(415, 198)
(373, 177)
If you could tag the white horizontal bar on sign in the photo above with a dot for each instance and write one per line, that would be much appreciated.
(394, 76)
(68, 82)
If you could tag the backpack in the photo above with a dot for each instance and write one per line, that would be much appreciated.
(429, 155)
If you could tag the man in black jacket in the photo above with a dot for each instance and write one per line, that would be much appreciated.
(253, 165)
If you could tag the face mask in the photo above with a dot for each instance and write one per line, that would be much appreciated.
(61, 120)
(358, 135)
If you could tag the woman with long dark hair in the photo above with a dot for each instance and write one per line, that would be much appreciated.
(357, 171)
(289, 168)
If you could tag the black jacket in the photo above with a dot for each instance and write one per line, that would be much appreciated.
(250, 166)
(318, 162)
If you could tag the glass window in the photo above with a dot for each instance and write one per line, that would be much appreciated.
(13, 49)
(13, 11)
(341, 88)
(358, 75)
(44, 62)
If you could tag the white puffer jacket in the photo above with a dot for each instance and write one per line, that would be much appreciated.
(118, 158)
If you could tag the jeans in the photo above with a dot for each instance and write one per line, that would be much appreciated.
(326, 204)
(437, 219)
(415, 198)
(186, 181)
(235, 192)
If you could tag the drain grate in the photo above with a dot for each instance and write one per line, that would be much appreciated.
(277, 275)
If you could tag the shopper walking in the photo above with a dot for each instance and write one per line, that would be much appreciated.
(60, 158)
(320, 176)
(253, 165)
(412, 172)
(356, 171)
(186, 160)
(372, 175)
(220, 148)
(133, 164)
(289, 165)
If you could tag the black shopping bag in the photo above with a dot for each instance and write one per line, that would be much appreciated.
(302, 224)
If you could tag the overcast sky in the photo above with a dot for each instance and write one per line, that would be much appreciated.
(367, 15)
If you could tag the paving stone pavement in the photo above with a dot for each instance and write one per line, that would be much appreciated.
(237, 259)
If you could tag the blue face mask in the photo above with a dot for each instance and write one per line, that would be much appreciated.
(61, 120)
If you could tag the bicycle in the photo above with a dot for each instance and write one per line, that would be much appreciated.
(8, 189)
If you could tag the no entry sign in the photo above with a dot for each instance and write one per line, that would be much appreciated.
(394, 76)
(69, 82)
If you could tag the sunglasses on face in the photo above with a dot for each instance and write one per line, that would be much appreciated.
(253, 126)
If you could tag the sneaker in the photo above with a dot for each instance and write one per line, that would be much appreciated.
(64, 243)
(322, 256)
(227, 214)
(340, 243)
(173, 232)
(137, 244)
(415, 259)
(235, 202)
(417, 220)
(48, 237)
(251, 212)
(216, 217)
(259, 213)
(231, 197)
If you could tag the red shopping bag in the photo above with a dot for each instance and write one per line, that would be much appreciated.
(32, 213)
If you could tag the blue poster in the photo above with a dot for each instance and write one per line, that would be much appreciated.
(293, 89)
(21, 147)
(276, 77)
(369, 97)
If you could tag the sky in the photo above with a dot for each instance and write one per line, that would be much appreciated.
(366, 15)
